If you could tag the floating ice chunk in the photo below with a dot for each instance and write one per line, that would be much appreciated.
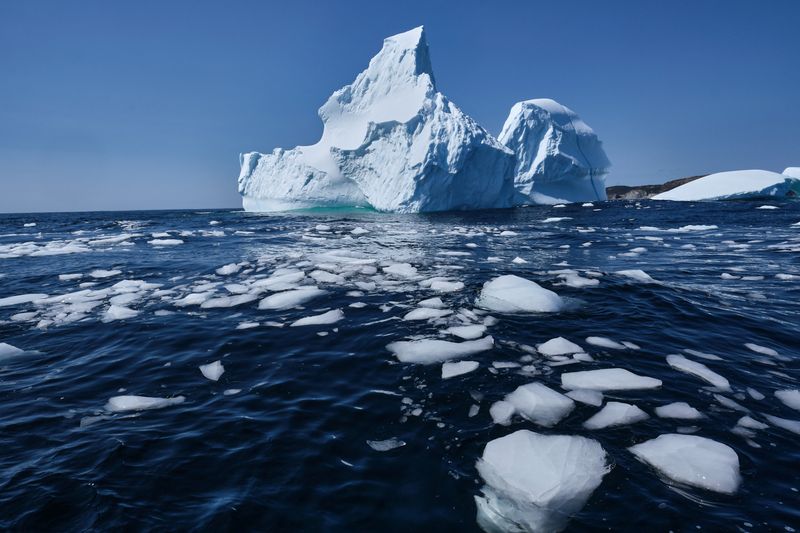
(212, 371)
(427, 351)
(322, 276)
(29, 225)
(789, 397)
(475, 331)
(692, 460)
(291, 298)
(761, 349)
(119, 312)
(730, 404)
(751, 423)
(540, 404)
(767, 207)
(331, 317)
(401, 270)
(637, 275)
(229, 269)
(426, 313)
(616, 414)
(501, 412)
(703, 355)
(21, 299)
(385, 445)
(231, 392)
(678, 410)
(555, 219)
(6, 350)
(679, 362)
(754, 394)
(432, 303)
(508, 233)
(784, 423)
(473, 410)
(228, 301)
(536, 482)
(604, 342)
(101, 274)
(165, 242)
(587, 396)
(450, 370)
(69, 277)
(196, 298)
(513, 294)
(445, 286)
(139, 403)
(359, 231)
(558, 346)
(247, 325)
(518, 261)
(607, 379)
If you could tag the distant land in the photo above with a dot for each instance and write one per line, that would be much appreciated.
(638, 192)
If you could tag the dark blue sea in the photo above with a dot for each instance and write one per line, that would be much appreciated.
(293, 435)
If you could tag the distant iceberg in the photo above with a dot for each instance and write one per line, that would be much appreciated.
(392, 142)
(736, 185)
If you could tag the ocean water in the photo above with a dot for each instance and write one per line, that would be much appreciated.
(281, 441)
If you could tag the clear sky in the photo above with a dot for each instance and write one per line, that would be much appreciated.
(146, 104)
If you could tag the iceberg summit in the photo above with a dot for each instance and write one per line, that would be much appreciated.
(394, 143)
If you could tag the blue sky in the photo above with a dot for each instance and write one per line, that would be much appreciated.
(135, 105)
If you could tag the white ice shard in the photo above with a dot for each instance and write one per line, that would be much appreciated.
(535, 482)
(616, 414)
(736, 184)
(692, 460)
(212, 371)
(558, 156)
(393, 142)
(390, 141)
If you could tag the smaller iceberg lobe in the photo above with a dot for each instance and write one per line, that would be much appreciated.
(736, 185)
(558, 156)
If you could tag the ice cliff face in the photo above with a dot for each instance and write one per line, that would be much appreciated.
(393, 142)
(558, 157)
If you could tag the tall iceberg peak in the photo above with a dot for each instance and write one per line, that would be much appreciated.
(391, 141)
(558, 156)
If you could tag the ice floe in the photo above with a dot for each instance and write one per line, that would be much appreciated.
(426, 313)
(474, 331)
(139, 403)
(679, 362)
(692, 460)
(616, 414)
(789, 398)
(681, 410)
(513, 294)
(608, 379)
(587, 396)
(7, 350)
(21, 299)
(331, 317)
(427, 351)
(291, 298)
(385, 445)
(212, 371)
(539, 404)
(535, 482)
(604, 342)
(558, 346)
(450, 370)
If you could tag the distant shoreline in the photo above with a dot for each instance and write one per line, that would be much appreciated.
(641, 192)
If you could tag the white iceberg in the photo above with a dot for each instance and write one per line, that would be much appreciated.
(792, 172)
(393, 142)
(513, 294)
(692, 460)
(535, 482)
(736, 184)
(558, 156)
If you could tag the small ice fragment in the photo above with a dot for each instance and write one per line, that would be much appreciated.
(513, 294)
(100, 273)
(137, 403)
(6, 350)
(432, 303)
(679, 362)
(730, 404)
(555, 219)
(508, 233)
(212, 371)
(703, 355)
(467, 332)
(754, 394)
(291, 298)
(231, 392)
(385, 445)
(518, 261)
(680, 410)
(631, 346)
(165, 242)
(616, 414)
(21, 299)
(426, 313)
(229, 269)
(535, 482)
(540, 404)
(789, 397)
(473, 410)
(331, 317)
(358, 231)
(445, 286)
(427, 351)
(558, 346)
(761, 349)
(604, 342)
(247, 325)
(587, 396)
(606, 379)
(450, 370)
(637, 275)
(119, 312)
(501, 412)
(751, 423)
(401, 270)
(784, 423)
(69, 277)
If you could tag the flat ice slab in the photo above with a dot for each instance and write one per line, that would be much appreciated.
(678, 410)
(616, 414)
(608, 379)
(427, 351)
(450, 370)
(540, 404)
(734, 185)
(692, 460)
(513, 294)
(679, 362)
(535, 482)
(139, 403)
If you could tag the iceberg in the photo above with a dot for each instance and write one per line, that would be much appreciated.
(735, 185)
(535, 482)
(392, 142)
(558, 156)
(792, 172)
